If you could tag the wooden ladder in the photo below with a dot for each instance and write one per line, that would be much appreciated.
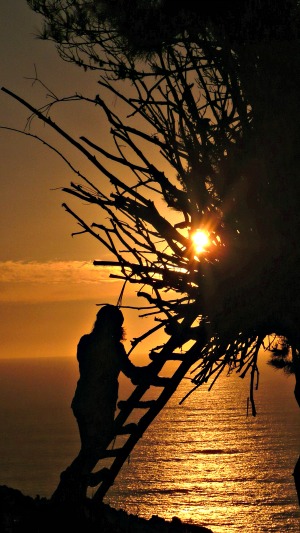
(106, 476)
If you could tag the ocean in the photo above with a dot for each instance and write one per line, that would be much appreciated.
(204, 461)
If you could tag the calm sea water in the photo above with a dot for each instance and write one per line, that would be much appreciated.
(204, 461)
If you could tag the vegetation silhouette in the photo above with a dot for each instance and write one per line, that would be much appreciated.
(207, 138)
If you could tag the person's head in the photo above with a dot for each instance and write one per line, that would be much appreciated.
(110, 318)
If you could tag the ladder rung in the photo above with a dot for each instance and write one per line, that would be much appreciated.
(160, 381)
(122, 404)
(145, 404)
(172, 357)
(110, 453)
(154, 355)
(96, 477)
(176, 357)
(127, 429)
(136, 405)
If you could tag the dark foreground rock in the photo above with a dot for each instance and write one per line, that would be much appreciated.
(23, 514)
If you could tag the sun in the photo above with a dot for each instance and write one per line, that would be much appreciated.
(200, 240)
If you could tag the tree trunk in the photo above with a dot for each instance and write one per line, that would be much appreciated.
(296, 360)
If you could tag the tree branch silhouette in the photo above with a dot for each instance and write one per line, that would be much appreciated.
(204, 139)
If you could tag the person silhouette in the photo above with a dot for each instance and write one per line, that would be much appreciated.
(101, 356)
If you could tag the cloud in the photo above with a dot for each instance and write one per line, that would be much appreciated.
(51, 271)
(55, 281)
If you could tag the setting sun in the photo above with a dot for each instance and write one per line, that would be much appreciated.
(200, 240)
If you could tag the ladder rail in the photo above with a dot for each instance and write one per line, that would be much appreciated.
(144, 422)
(156, 365)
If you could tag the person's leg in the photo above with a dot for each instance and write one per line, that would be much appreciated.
(95, 437)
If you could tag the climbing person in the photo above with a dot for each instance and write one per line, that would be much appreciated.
(101, 356)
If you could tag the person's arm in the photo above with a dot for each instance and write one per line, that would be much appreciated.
(133, 372)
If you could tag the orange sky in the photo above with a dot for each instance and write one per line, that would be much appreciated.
(48, 286)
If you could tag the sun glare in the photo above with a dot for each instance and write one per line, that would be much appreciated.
(200, 241)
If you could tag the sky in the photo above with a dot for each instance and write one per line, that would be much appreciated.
(49, 287)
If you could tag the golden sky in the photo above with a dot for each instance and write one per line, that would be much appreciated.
(48, 286)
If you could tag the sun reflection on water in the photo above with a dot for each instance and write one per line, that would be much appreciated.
(207, 463)
(204, 461)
